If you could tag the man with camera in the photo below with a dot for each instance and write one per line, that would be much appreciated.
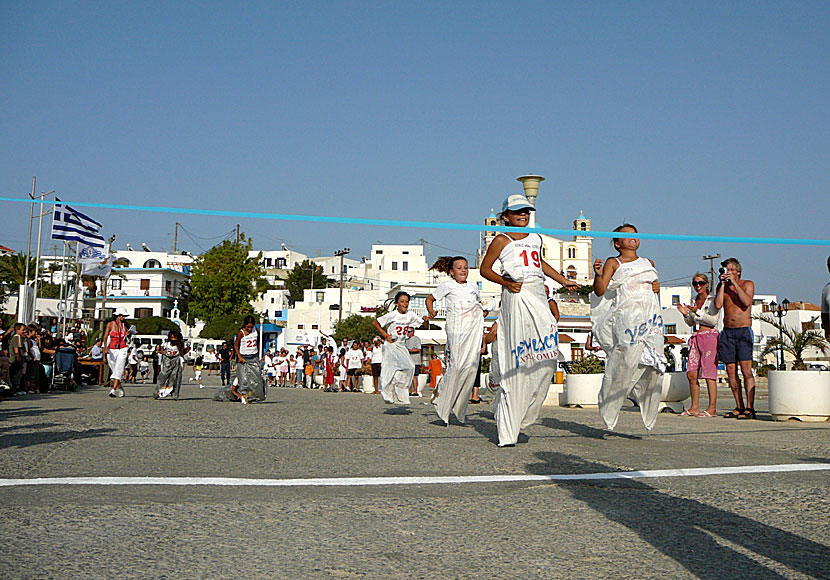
(735, 343)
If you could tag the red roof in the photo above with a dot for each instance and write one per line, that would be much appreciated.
(565, 338)
(670, 339)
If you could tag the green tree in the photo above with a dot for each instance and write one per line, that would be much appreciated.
(224, 280)
(300, 278)
(224, 327)
(355, 327)
(153, 325)
(583, 290)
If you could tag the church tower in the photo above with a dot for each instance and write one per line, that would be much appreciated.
(582, 224)
(486, 237)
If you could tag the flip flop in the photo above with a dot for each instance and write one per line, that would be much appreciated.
(686, 413)
(705, 414)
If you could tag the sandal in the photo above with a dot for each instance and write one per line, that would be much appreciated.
(686, 413)
(734, 413)
(748, 413)
(706, 414)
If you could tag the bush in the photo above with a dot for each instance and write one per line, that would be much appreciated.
(589, 365)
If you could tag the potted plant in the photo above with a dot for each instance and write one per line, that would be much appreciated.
(675, 384)
(797, 393)
(583, 381)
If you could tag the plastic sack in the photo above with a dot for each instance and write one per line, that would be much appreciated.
(396, 373)
(465, 324)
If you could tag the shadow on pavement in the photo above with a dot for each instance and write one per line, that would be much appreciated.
(697, 536)
(583, 430)
(21, 440)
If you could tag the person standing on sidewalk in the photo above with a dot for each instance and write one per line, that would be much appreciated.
(703, 316)
(735, 343)
(224, 355)
(825, 306)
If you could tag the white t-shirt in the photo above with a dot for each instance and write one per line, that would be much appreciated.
(397, 324)
(377, 354)
(455, 292)
(522, 259)
(825, 299)
(249, 344)
(298, 363)
(354, 358)
(169, 348)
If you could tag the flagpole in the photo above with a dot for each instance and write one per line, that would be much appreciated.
(37, 261)
(29, 239)
(63, 293)
(77, 280)
(106, 284)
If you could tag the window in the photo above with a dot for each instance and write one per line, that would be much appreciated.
(571, 273)
(544, 252)
(321, 296)
(670, 329)
(280, 262)
(314, 327)
(394, 265)
(675, 299)
(143, 312)
(272, 299)
(571, 253)
(151, 263)
(583, 226)
(405, 266)
(378, 252)
(145, 283)
(168, 286)
(405, 252)
(115, 284)
(577, 354)
(300, 326)
(479, 285)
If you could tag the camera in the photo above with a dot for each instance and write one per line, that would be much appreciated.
(722, 271)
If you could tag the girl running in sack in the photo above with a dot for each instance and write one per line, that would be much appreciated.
(251, 386)
(626, 320)
(397, 368)
(528, 335)
(465, 323)
(170, 353)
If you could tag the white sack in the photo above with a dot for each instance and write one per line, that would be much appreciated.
(629, 327)
(465, 327)
(527, 349)
(396, 372)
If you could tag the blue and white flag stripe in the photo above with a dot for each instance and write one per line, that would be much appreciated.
(71, 225)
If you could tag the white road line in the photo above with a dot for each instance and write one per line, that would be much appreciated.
(458, 479)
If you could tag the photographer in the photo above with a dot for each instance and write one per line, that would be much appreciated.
(735, 343)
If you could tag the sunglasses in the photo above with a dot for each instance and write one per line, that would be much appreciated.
(698, 283)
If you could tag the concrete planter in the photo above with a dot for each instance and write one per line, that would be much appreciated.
(582, 390)
(802, 395)
(675, 391)
(366, 384)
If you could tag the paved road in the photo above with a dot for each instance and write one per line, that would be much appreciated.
(771, 525)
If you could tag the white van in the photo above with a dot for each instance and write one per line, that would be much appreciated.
(147, 343)
(198, 347)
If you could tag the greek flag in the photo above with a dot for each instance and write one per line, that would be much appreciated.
(73, 226)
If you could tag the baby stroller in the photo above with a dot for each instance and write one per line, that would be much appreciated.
(64, 369)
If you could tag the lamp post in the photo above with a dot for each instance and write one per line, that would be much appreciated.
(780, 310)
(341, 253)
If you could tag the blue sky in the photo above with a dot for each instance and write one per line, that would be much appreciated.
(706, 119)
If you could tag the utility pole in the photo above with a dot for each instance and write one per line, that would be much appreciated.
(176, 239)
(237, 233)
(711, 271)
(341, 253)
(106, 282)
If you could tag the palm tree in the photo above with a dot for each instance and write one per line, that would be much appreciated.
(794, 342)
(13, 269)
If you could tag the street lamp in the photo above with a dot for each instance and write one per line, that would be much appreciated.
(780, 310)
(341, 253)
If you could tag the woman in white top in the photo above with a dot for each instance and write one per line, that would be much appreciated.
(528, 334)
(465, 324)
(703, 316)
(397, 368)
